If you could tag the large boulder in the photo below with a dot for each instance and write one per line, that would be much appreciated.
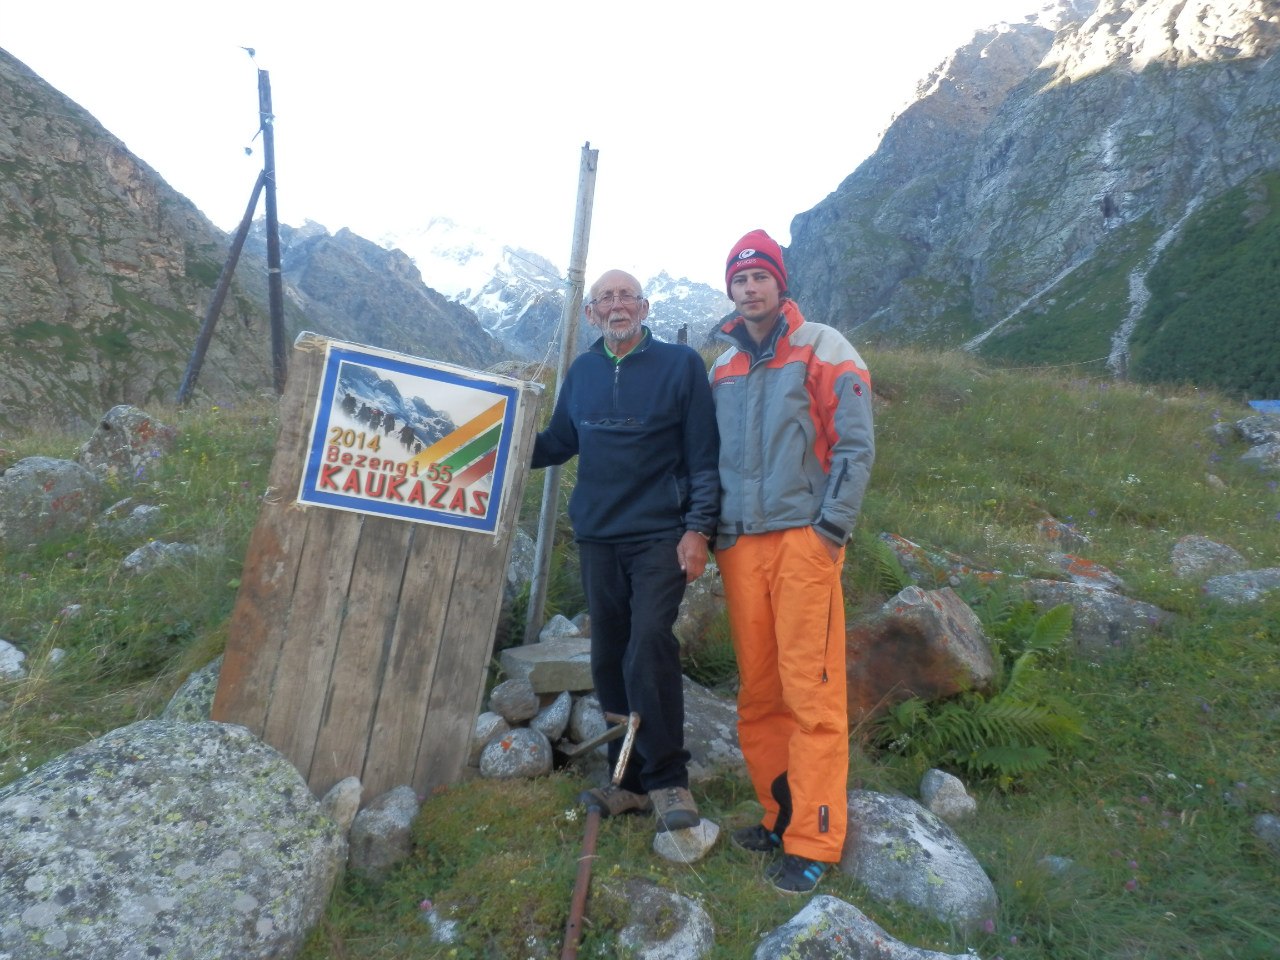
(921, 643)
(830, 929)
(710, 733)
(45, 499)
(1101, 621)
(126, 442)
(164, 839)
(902, 853)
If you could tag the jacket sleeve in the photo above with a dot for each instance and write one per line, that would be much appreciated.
(853, 448)
(559, 441)
(701, 451)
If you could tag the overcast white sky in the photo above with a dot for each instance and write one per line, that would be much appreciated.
(710, 119)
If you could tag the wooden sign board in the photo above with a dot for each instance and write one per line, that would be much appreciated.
(373, 581)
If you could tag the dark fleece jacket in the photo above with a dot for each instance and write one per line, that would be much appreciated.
(644, 431)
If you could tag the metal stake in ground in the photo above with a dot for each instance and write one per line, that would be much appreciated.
(573, 929)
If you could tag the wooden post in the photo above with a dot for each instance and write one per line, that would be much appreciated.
(275, 286)
(568, 350)
(359, 643)
(219, 295)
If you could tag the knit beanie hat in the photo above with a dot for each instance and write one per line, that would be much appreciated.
(756, 250)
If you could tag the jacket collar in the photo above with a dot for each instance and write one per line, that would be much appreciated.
(646, 338)
(735, 331)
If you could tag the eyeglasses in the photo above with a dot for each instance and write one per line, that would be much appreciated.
(626, 299)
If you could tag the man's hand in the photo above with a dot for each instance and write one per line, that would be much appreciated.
(691, 551)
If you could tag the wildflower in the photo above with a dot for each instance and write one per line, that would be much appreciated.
(989, 925)
(1132, 864)
(426, 905)
(1131, 884)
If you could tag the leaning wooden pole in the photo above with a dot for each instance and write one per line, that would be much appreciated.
(568, 350)
(219, 296)
(275, 287)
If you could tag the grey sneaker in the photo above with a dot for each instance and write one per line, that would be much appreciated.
(613, 801)
(674, 808)
(794, 874)
(756, 839)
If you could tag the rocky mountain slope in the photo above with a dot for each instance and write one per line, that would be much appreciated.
(105, 271)
(349, 288)
(1018, 206)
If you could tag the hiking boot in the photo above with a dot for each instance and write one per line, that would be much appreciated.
(756, 839)
(794, 874)
(674, 808)
(613, 801)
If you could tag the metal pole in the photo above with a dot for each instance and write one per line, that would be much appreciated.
(568, 350)
(219, 295)
(275, 288)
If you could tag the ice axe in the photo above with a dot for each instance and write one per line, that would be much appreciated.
(573, 929)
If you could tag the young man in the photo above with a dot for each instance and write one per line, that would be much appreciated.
(793, 404)
(637, 413)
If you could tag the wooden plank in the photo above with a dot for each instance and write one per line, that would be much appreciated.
(259, 619)
(359, 666)
(311, 644)
(466, 642)
(401, 711)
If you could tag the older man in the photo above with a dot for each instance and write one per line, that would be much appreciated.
(793, 403)
(637, 413)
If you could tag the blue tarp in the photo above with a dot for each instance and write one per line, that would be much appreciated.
(1265, 406)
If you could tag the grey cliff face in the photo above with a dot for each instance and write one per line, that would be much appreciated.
(105, 271)
(1031, 154)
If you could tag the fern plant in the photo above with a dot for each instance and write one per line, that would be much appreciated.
(1005, 735)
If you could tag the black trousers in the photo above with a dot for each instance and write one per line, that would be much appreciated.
(633, 597)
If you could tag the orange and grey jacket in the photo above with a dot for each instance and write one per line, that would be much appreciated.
(796, 436)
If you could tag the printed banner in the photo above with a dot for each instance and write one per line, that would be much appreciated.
(406, 438)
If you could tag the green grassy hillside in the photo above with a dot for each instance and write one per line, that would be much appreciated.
(1214, 313)
(1154, 805)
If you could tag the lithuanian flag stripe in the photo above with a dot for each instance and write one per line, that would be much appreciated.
(450, 449)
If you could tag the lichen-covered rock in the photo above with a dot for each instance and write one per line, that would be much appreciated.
(163, 840)
(514, 700)
(903, 853)
(830, 929)
(551, 665)
(920, 643)
(522, 752)
(945, 796)
(487, 726)
(342, 802)
(193, 701)
(586, 720)
(1246, 587)
(688, 845)
(380, 833)
(553, 719)
(1197, 558)
(126, 442)
(156, 554)
(127, 519)
(710, 733)
(42, 498)
(11, 659)
(661, 924)
(1101, 619)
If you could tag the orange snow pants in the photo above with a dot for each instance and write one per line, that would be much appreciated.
(786, 613)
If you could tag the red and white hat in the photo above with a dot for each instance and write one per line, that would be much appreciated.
(756, 250)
